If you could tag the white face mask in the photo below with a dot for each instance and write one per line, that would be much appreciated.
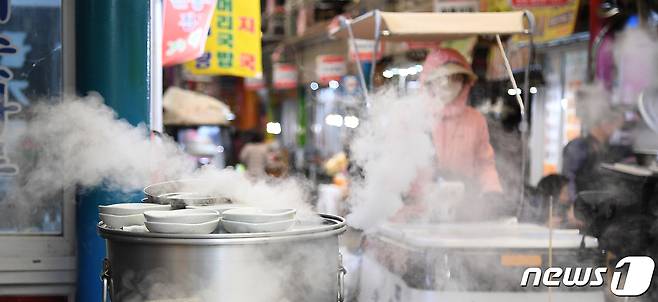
(446, 89)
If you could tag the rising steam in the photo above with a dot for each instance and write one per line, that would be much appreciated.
(392, 147)
(81, 142)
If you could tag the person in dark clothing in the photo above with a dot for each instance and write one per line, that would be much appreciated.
(551, 187)
(583, 156)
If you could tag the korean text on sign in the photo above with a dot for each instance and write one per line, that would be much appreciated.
(234, 41)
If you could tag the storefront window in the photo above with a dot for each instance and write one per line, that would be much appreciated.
(31, 60)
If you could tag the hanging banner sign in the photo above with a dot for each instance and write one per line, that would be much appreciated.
(186, 24)
(234, 41)
(530, 3)
(330, 68)
(284, 76)
(365, 49)
(553, 21)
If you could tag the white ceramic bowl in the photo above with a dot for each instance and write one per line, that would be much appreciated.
(259, 215)
(119, 221)
(182, 228)
(246, 227)
(132, 208)
(182, 216)
(220, 208)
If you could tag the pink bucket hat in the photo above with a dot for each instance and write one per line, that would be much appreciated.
(444, 62)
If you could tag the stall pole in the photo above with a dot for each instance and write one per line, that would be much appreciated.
(359, 68)
(375, 51)
(524, 123)
(114, 58)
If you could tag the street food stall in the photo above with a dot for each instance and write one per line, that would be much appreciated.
(411, 26)
(457, 261)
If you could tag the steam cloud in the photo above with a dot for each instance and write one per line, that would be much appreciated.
(80, 141)
(392, 147)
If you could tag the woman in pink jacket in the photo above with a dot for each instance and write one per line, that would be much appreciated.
(461, 136)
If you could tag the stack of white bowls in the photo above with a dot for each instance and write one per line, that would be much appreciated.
(121, 215)
(185, 221)
(258, 220)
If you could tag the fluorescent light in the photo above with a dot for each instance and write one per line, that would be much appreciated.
(533, 90)
(412, 70)
(512, 92)
(273, 128)
(335, 120)
(351, 121)
(403, 72)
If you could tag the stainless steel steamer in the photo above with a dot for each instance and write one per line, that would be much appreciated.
(302, 264)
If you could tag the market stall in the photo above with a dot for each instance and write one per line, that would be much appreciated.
(462, 261)
(403, 26)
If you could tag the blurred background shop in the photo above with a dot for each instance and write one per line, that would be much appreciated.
(270, 92)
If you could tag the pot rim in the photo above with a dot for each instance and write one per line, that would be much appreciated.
(336, 227)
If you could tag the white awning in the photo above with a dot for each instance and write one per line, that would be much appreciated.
(405, 26)
(188, 108)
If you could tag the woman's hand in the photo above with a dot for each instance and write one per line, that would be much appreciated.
(572, 221)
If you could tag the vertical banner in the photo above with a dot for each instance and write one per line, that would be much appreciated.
(234, 41)
(186, 24)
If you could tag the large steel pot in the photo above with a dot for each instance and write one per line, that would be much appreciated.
(302, 264)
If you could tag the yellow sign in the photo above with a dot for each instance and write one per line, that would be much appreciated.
(234, 41)
(552, 21)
